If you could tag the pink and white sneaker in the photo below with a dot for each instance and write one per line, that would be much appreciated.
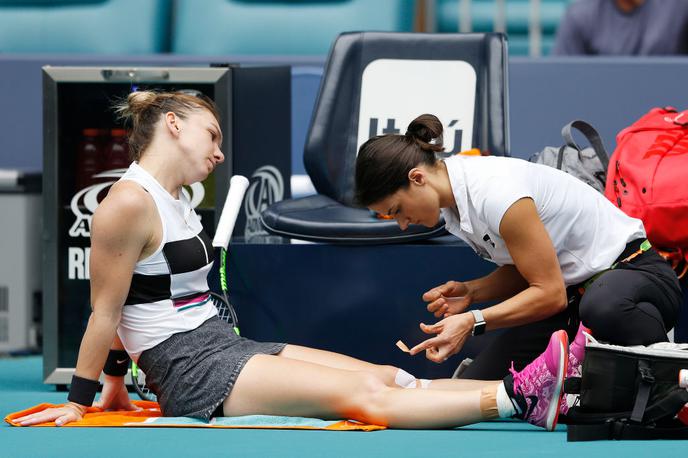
(536, 390)
(575, 369)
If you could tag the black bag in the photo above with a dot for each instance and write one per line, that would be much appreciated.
(629, 393)
(587, 164)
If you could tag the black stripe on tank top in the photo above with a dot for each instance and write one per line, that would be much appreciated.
(189, 254)
(148, 288)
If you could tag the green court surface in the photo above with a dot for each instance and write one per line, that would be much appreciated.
(21, 387)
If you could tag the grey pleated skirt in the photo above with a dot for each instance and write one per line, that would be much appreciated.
(193, 372)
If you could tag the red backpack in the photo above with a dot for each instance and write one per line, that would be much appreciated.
(648, 178)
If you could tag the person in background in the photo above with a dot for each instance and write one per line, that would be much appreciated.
(623, 28)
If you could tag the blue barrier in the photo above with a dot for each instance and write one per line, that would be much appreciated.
(545, 94)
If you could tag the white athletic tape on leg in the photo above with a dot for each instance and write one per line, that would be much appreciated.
(404, 379)
(505, 407)
(424, 383)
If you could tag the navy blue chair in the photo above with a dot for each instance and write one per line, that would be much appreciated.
(377, 83)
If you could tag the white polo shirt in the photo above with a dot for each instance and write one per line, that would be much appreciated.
(588, 231)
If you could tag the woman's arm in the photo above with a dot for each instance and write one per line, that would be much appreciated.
(120, 231)
(500, 284)
(118, 237)
(535, 260)
(455, 297)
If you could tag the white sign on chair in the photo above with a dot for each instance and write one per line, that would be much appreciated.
(396, 91)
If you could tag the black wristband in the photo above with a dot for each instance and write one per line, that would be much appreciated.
(83, 391)
(117, 363)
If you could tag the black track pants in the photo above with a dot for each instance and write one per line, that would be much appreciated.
(636, 303)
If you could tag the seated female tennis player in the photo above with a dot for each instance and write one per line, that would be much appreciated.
(149, 292)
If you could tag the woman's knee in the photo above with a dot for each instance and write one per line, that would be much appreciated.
(623, 321)
(366, 398)
(599, 314)
(386, 374)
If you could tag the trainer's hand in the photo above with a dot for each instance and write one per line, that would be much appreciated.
(452, 333)
(451, 298)
(114, 395)
(60, 415)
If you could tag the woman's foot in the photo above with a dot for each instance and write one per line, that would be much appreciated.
(536, 391)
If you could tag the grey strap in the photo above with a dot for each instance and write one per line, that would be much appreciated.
(560, 156)
(590, 134)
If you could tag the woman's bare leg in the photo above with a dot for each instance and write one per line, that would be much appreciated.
(273, 385)
(387, 374)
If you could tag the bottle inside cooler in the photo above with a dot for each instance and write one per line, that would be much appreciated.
(117, 151)
(89, 158)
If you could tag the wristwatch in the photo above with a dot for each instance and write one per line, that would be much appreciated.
(479, 325)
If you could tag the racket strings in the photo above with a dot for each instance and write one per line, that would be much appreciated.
(138, 381)
(225, 310)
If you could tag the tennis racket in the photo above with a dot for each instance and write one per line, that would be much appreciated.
(237, 189)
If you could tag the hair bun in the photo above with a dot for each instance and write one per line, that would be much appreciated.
(426, 129)
(140, 100)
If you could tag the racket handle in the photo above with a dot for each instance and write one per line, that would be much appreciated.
(237, 188)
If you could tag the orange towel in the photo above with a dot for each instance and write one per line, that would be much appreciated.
(150, 416)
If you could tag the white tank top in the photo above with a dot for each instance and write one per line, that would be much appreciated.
(169, 290)
(588, 232)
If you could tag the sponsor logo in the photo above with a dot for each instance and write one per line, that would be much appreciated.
(676, 119)
(266, 188)
(669, 143)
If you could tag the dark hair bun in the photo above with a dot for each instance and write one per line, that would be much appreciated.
(426, 129)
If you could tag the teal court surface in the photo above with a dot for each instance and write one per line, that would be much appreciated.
(21, 387)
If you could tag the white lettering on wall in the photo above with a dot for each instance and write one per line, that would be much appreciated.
(77, 263)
